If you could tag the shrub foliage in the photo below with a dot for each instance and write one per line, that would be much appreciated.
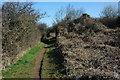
(19, 29)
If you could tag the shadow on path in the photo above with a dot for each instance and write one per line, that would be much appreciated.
(54, 55)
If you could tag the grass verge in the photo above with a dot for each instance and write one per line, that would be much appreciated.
(23, 67)
(53, 61)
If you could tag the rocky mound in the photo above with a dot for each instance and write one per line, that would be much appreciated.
(90, 49)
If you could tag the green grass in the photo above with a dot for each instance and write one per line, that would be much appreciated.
(22, 68)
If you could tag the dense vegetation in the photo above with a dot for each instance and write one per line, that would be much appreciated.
(90, 49)
(19, 30)
(75, 46)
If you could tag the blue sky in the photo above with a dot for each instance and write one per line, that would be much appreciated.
(92, 8)
(59, 0)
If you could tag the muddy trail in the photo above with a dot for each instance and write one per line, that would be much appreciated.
(49, 63)
(38, 64)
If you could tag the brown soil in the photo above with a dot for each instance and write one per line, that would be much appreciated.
(38, 64)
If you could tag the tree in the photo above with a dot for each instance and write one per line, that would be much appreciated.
(50, 30)
(19, 28)
(43, 29)
(0, 14)
(65, 14)
(68, 12)
(15, 12)
(73, 13)
(109, 16)
(109, 12)
(59, 15)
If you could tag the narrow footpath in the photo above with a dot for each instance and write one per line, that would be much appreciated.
(38, 64)
(49, 61)
(42, 61)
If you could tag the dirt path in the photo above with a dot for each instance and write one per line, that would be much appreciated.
(38, 64)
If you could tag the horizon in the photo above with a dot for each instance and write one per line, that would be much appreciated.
(92, 8)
